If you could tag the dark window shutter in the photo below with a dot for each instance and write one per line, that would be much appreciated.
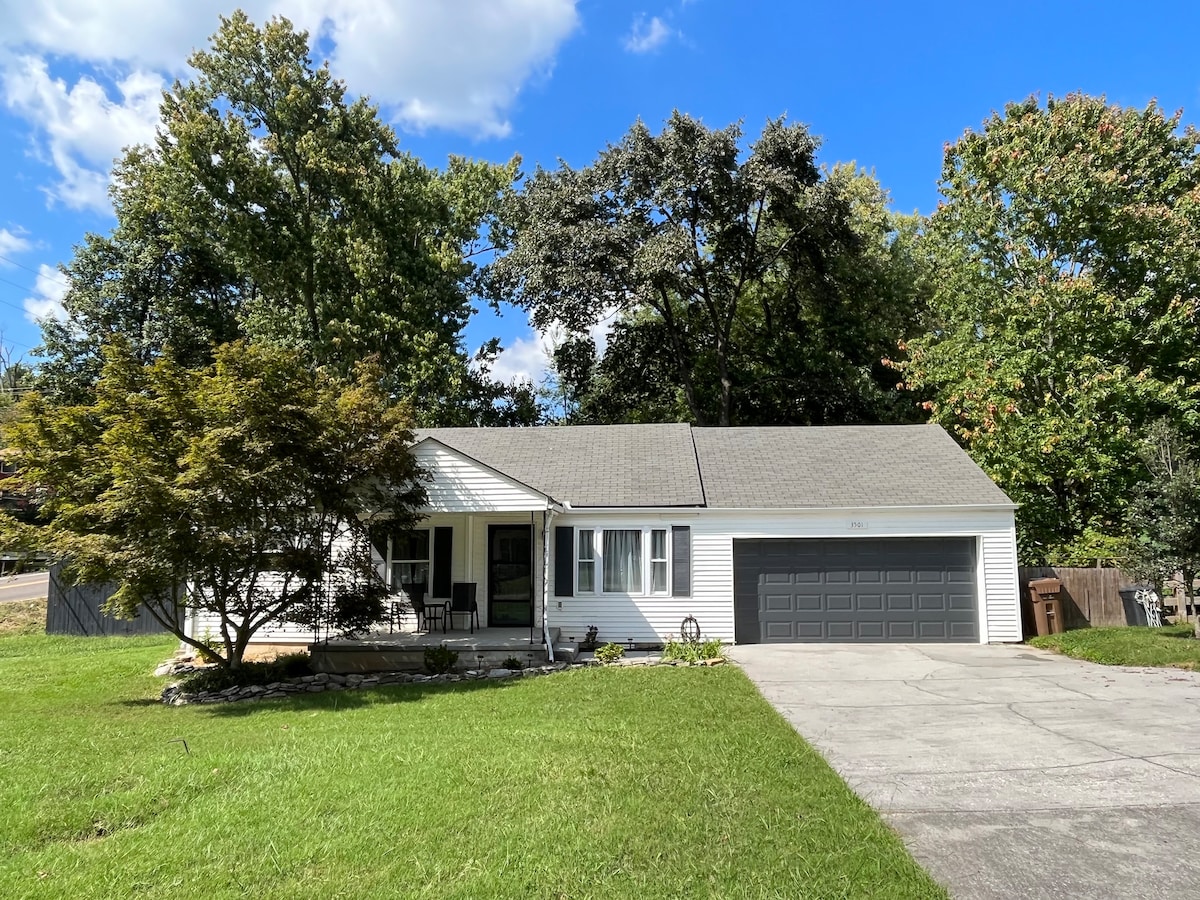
(681, 561)
(443, 558)
(564, 561)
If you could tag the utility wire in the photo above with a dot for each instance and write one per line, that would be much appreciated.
(36, 272)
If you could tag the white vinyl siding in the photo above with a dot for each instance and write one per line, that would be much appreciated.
(998, 572)
(459, 484)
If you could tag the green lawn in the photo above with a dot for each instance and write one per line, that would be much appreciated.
(1173, 645)
(655, 782)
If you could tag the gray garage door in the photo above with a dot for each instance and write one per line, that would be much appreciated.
(854, 589)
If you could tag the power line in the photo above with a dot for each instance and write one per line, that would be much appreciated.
(36, 272)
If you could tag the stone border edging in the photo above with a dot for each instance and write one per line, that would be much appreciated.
(173, 694)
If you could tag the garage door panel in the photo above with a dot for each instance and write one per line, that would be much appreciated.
(961, 602)
(778, 602)
(933, 631)
(839, 602)
(869, 602)
(933, 602)
(780, 631)
(860, 589)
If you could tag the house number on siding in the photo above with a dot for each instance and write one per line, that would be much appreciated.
(858, 525)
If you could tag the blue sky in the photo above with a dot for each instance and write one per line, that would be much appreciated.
(883, 84)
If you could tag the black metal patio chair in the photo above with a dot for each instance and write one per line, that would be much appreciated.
(462, 603)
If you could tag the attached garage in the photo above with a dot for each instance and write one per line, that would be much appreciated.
(855, 589)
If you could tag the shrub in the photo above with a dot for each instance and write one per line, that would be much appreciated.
(440, 660)
(610, 653)
(691, 651)
(290, 665)
(513, 663)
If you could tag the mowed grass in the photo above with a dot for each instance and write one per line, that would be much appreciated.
(658, 782)
(1171, 646)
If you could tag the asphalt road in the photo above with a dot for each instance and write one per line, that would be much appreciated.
(23, 587)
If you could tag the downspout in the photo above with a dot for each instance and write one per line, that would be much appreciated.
(547, 518)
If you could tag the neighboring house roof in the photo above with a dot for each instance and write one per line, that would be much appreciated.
(852, 466)
(839, 466)
(589, 465)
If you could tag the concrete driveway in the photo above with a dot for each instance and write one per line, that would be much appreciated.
(1008, 771)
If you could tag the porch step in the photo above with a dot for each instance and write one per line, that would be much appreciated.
(566, 651)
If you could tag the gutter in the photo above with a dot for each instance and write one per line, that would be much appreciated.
(711, 510)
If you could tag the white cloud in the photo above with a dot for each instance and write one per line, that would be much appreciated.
(647, 34)
(528, 358)
(458, 66)
(12, 243)
(83, 129)
(49, 291)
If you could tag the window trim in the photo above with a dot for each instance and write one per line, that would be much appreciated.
(578, 545)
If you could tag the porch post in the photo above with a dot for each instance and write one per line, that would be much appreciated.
(547, 517)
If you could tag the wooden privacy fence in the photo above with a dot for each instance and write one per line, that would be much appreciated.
(1089, 596)
(77, 609)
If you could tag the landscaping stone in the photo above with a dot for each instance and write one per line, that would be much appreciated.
(173, 694)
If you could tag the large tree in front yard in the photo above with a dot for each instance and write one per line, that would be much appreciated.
(1066, 261)
(238, 488)
(274, 207)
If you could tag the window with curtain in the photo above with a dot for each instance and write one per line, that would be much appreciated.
(410, 558)
(621, 558)
(587, 561)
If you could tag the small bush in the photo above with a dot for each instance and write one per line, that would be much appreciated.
(610, 653)
(691, 651)
(513, 663)
(440, 660)
(290, 665)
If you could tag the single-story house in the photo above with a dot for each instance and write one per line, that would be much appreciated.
(855, 533)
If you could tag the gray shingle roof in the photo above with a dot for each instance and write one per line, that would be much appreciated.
(839, 466)
(732, 468)
(589, 465)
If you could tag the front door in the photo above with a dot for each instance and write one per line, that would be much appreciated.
(510, 576)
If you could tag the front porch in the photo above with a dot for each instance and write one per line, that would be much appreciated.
(384, 651)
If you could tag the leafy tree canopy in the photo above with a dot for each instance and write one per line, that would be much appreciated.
(748, 287)
(227, 488)
(272, 208)
(1066, 264)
